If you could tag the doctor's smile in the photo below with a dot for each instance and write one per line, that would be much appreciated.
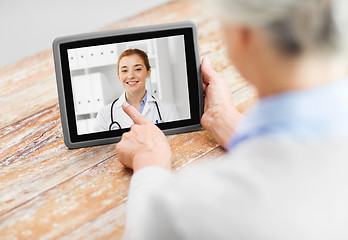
(132, 82)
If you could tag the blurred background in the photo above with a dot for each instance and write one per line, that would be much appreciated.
(95, 83)
(28, 27)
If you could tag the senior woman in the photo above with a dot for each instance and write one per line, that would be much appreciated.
(285, 173)
(133, 67)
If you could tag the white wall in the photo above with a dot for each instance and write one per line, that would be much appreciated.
(28, 27)
(165, 70)
(179, 73)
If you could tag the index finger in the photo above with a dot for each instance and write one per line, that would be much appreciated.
(134, 114)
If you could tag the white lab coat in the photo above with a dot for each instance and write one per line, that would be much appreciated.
(167, 110)
(267, 188)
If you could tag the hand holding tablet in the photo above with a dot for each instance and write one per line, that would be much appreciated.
(156, 69)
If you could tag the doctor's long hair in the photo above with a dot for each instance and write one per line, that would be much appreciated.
(134, 51)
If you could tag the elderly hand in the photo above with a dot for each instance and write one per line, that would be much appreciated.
(144, 145)
(220, 115)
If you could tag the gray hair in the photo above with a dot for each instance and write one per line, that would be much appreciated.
(295, 26)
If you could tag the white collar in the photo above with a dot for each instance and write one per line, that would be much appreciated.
(122, 99)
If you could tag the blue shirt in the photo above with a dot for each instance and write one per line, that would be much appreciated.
(315, 113)
(142, 105)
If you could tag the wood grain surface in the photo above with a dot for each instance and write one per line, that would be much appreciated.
(48, 191)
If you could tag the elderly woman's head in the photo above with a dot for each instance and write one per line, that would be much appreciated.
(294, 26)
(291, 29)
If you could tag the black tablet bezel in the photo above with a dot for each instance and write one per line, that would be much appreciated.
(193, 78)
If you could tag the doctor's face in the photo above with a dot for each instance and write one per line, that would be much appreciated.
(133, 73)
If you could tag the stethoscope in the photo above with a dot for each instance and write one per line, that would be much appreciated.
(115, 125)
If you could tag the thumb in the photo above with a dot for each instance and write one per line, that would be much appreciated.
(134, 114)
(208, 73)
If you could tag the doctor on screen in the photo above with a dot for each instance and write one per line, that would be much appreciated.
(133, 68)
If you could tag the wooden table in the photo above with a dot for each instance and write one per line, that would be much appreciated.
(48, 191)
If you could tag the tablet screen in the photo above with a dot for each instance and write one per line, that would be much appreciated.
(153, 68)
(149, 74)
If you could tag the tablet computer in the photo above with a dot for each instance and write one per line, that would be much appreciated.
(155, 68)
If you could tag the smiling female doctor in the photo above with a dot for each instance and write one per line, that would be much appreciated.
(133, 68)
